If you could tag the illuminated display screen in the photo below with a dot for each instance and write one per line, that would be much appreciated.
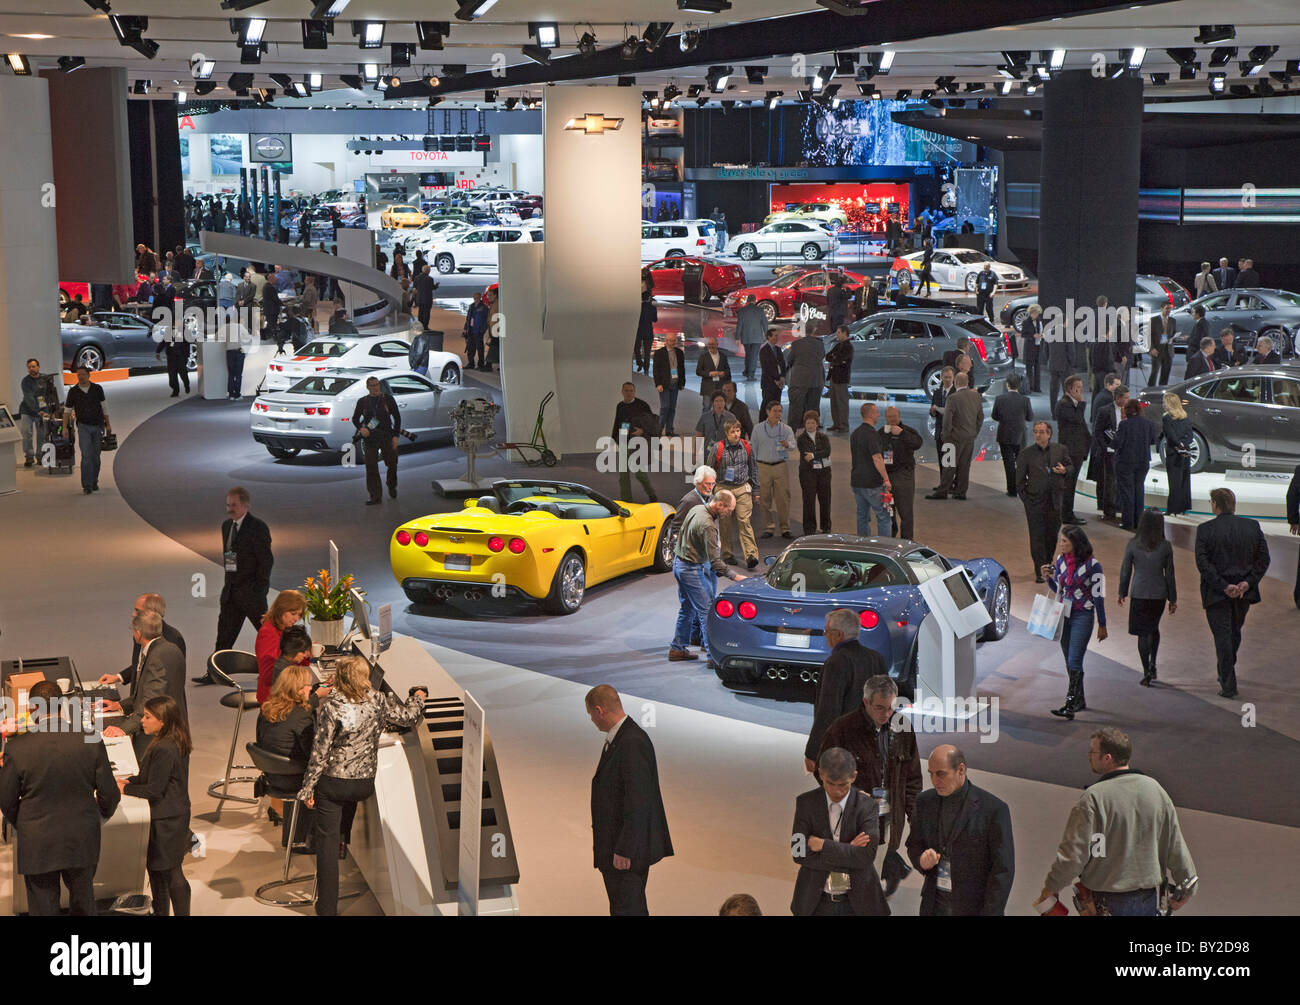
(1164, 204)
(1241, 205)
(862, 132)
(864, 204)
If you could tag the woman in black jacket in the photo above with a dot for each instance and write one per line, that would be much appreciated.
(1154, 586)
(1178, 444)
(814, 448)
(164, 781)
(1133, 442)
(286, 723)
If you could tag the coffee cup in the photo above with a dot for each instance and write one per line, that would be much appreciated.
(317, 650)
(65, 684)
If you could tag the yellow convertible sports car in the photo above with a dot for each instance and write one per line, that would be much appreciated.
(402, 216)
(543, 540)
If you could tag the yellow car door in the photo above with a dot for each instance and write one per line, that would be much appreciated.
(614, 544)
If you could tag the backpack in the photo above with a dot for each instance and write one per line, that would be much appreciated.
(717, 459)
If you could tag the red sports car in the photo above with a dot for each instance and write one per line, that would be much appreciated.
(719, 278)
(782, 298)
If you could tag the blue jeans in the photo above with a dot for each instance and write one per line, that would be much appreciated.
(868, 500)
(667, 408)
(695, 589)
(88, 438)
(1075, 634)
(30, 426)
(1131, 904)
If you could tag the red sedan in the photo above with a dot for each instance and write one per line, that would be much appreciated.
(782, 298)
(719, 279)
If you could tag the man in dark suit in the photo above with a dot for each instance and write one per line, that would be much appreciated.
(1227, 352)
(843, 676)
(1225, 275)
(1073, 434)
(424, 286)
(55, 788)
(1159, 344)
(751, 330)
(1011, 410)
(834, 839)
(773, 369)
(1247, 278)
(1042, 470)
(1293, 520)
(806, 358)
(1202, 361)
(246, 555)
(628, 823)
(161, 672)
(961, 842)
(1106, 418)
(145, 602)
(668, 370)
(1232, 557)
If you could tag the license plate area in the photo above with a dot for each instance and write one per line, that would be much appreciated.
(793, 638)
(456, 563)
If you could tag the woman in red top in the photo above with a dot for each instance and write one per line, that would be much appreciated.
(287, 611)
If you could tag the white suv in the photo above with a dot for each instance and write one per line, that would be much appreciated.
(676, 239)
(474, 249)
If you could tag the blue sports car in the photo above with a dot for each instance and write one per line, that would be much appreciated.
(771, 628)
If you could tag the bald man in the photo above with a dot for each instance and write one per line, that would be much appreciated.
(145, 602)
(628, 823)
(960, 840)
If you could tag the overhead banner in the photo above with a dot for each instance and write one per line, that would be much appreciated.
(427, 159)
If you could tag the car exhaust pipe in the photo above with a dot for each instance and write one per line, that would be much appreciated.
(805, 676)
(473, 595)
(771, 673)
(816, 676)
(782, 674)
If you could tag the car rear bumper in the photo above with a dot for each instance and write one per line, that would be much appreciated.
(291, 441)
(756, 669)
(449, 589)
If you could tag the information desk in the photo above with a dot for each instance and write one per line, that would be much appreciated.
(405, 837)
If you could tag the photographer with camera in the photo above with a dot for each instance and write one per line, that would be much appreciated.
(378, 423)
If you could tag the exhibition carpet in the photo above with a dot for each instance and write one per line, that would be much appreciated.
(175, 468)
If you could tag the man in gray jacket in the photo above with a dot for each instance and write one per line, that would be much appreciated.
(963, 414)
(751, 331)
(161, 671)
(807, 376)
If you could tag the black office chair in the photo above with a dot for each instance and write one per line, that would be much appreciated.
(222, 668)
(283, 776)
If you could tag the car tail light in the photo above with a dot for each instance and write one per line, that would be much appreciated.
(724, 608)
(323, 410)
(496, 543)
(276, 368)
(517, 545)
(310, 410)
(699, 242)
(981, 348)
(403, 537)
(421, 538)
(319, 369)
(868, 619)
(747, 610)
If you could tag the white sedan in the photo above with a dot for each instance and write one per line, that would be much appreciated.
(784, 238)
(316, 412)
(957, 269)
(474, 249)
(423, 238)
(337, 352)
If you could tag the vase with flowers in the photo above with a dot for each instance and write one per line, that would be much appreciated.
(327, 603)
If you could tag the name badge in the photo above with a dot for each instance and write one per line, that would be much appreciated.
(943, 875)
(729, 475)
(672, 371)
(232, 565)
(887, 456)
(626, 426)
(881, 796)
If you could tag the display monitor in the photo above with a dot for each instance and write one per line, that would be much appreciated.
(6, 420)
(959, 588)
(360, 617)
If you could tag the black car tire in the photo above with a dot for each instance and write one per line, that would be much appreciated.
(450, 374)
(811, 251)
(555, 602)
(1281, 344)
(706, 294)
(676, 253)
(747, 252)
(1203, 453)
(769, 310)
(991, 633)
(283, 453)
(89, 356)
(445, 264)
(663, 544)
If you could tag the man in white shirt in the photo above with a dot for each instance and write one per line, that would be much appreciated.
(772, 442)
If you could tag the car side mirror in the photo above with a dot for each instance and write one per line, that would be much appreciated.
(624, 512)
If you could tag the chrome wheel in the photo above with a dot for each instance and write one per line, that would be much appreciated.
(450, 374)
(811, 252)
(1018, 319)
(90, 357)
(573, 582)
(769, 310)
(970, 283)
(748, 252)
(933, 380)
(1001, 608)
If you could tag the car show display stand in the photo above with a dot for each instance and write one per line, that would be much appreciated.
(945, 646)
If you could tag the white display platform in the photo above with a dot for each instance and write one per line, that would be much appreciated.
(1261, 495)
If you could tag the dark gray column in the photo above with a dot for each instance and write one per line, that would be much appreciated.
(1088, 225)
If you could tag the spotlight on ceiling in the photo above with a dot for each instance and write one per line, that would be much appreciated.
(1222, 57)
(370, 34)
(627, 81)
(631, 47)
(299, 89)
(240, 81)
(315, 81)
(430, 34)
(717, 77)
(704, 6)
(351, 80)
(328, 8)
(1159, 79)
(1213, 34)
(547, 33)
(536, 53)
(316, 33)
(689, 39)
(401, 53)
(902, 94)
(141, 86)
(654, 34)
(869, 91)
(886, 62)
(490, 97)
(1217, 82)
(369, 72)
(773, 99)
(99, 5)
(755, 74)
(845, 63)
(130, 33)
(20, 64)
(70, 63)
(511, 103)
(472, 10)
(204, 87)
(283, 79)
(1006, 86)
(1135, 57)
(1057, 60)
(1189, 72)
(672, 91)
(1260, 55)
(587, 44)
(974, 88)
(1183, 56)
(1043, 73)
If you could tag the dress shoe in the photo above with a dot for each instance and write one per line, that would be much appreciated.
(1146, 680)
(392, 492)
(1227, 694)
(95, 487)
(29, 462)
(176, 394)
(1038, 579)
(959, 495)
(766, 534)
(937, 495)
(1011, 493)
(786, 534)
(373, 502)
(752, 562)
(678, 655)
(1075, 520)
(203, 679)
(87, 490)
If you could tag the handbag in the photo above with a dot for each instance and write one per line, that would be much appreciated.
(108, 442)
(1047, 616)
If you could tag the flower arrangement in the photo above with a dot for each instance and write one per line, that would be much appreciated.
(328, 601)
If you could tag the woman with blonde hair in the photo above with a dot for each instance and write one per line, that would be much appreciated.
(344, 758)
(285, 612)
(1178, 454)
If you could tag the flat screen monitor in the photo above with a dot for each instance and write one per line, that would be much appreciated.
(960, 590)
(6, 420)
(360, 617)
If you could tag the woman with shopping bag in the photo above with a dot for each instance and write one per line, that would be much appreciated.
(1076, 578)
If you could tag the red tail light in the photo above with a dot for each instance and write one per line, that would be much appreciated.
(724, 608)
(868, 619)
(496, 543)
(981, 348)
(403, 538)
(421, 538)
(517, 545)
(747, 610)
(323, 410)
(700, 242)
(320, 368)
(310, 411)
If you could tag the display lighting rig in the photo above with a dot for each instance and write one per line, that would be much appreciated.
(316, 33)
(472, 10)
(1006, 86)
(704, 6)
(717, 77)
(655, 33)
(328, 8)
(70, 63)
(351, 80)
(1222, 57)
(773, 99)
(536, 53)
(701, 101)
(902, 94)
(650, 98)
(369, 72)
(141, 87)
(130, 30)
(99, 5)
(1189, 72)
(19, 64)
(846, 63)
(1213, 34)
(672, 92)
(370, 34)
(400, 54)
(1158, 79)
(974, 88)
(1218, 81)
(689, 38)
(511, 104)
(630, 47)
(1240, 90)
(885, 62)
(694, 90)
(948, 84)
(755, 74)
(1056, 60)
(869, 91)
(1256, 59)
(429, 34)
(587, 44)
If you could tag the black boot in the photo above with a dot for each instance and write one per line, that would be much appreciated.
(1079, 704)
(1067, 710)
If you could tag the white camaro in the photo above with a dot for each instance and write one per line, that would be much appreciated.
(957, 269)
(316, 412)
(336, 352)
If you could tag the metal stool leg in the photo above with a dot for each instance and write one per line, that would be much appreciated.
(226, 780)
(292, 900)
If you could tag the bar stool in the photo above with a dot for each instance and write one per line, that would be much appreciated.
(283, 776)
(222, 666)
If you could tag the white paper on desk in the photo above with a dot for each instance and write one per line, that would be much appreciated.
(121, 755)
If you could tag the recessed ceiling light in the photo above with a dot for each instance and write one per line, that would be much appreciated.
(35, 37)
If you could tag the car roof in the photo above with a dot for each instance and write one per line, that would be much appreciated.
(891, 547)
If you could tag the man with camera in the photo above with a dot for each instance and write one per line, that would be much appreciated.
(378, 423)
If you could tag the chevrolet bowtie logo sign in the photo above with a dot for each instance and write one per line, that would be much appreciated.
(594, 123)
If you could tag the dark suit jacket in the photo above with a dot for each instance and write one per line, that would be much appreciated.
(1230, 549)
(1238, 356)
(163, 780)
(252, 576)
(1293, 499)
(840, 692)
(1224, 277)
(627, 810)
(1247, 279)
(812, 819)
(1104, 428)
(1071, 428)
(702, 367)
(1011, 410)
(1033, 346)
(171, 634)
(1197, 365)
(55, 788)
(163, 673)
(980, 851)
(662, 369)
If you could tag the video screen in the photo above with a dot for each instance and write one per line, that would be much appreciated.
(959, 589)
(1245, 204)
(862, 132)
(864, 204)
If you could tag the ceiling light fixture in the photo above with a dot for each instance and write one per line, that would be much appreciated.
(1135, 57)
(1006, 86)
(773, 99)
(537, 53)
(1213, 34)
(328, 8)
(429, 34)
(886, 62)
(1224, 56)
(547, 33)
(630, 47)
(70, 63)
(755, 74)
(370, 72)
(401, 53)
(315, 81)
(717, 77)
(369, 33)
(472, 10)
(689, 39)
(351, 80)
(20, 64)
(704, 6)
(1058, 59)
(1159, 79)
(1217, 82)
(99, 5)
(587, 44)
(299, 89)
(627, 81)
(130, 33)
(654, 34)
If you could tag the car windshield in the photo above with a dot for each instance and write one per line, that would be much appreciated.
(508, 492)
(830, 571)
(970, 257)
(325, 349)
(788, 280)
(978, 326)
(322, 384)
(1290, 299)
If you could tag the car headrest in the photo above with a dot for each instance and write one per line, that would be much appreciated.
(489, 502)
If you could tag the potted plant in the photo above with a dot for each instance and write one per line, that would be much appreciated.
(327, 602)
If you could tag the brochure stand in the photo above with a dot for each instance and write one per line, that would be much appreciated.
(945, 656)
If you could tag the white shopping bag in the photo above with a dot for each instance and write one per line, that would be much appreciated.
(1046, 618)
